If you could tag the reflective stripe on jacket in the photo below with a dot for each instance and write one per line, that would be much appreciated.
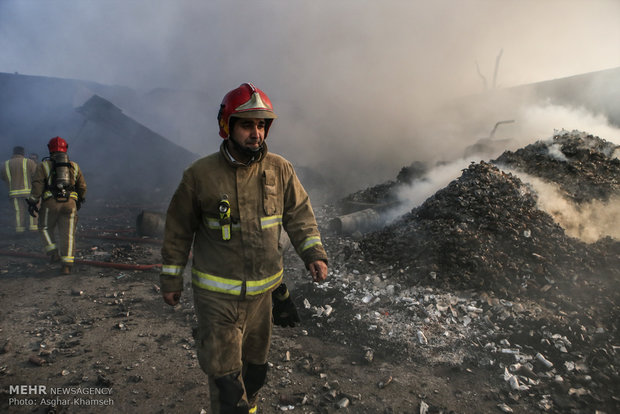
(265, 197)
(17, 172)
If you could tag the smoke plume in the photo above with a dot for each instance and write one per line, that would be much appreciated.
(588, 221)
(361, 88)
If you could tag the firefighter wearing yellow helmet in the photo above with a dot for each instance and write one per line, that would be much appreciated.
(60, 185)
(231, 208)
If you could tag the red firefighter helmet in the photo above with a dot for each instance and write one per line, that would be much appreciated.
(57, 144)
(246, 101)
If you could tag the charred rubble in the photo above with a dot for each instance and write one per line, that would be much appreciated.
(383, 194)
(485, 231)
(582, 165)
(479, 277)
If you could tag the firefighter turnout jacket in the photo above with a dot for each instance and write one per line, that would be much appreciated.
(237, 253)
(17, 172)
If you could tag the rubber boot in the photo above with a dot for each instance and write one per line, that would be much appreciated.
(231, 394)
(54, 256)
(254, 379)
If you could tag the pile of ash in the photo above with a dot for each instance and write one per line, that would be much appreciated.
(484, 230)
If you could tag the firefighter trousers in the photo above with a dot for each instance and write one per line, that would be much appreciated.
(61, 216)
(233, 345)
(23, 220)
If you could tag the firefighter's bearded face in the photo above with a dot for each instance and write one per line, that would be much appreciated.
(248, 135)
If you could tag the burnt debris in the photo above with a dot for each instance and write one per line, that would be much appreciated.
(478, 277)
(485, 231)
(582, 165)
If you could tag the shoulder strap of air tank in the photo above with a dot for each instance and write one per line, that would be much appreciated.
(76, 170)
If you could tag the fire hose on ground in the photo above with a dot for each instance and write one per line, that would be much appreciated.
(149, 227)
(120, 238)
(149, 224)
(121, 266)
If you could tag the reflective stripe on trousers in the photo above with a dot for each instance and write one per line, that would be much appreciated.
(68, 258)
(61, 217)
(48, 238)
(22, 217)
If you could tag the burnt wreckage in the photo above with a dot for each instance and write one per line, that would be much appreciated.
(478, 275)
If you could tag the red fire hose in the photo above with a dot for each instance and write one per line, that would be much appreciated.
(122, 266)
(121, 238)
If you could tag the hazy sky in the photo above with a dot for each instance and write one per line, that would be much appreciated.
(355, 69)
(189, 43)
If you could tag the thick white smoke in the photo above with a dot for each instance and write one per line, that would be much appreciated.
(415, 194)
(539, 121)
(588, 221)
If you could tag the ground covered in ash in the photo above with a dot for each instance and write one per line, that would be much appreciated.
(475, 301)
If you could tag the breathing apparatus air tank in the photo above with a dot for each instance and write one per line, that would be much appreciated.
(62, 179)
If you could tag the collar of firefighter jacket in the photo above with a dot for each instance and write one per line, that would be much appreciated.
(234, 163)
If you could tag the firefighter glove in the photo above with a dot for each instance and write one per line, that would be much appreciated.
(284, 310)
(32, 207)
(78, 203)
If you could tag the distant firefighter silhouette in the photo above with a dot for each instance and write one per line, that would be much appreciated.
(17, 173)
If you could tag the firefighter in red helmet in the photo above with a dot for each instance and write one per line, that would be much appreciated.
(231, 208)
(59, 183)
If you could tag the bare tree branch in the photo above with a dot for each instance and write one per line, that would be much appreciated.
(499, 56)
(484, 80)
